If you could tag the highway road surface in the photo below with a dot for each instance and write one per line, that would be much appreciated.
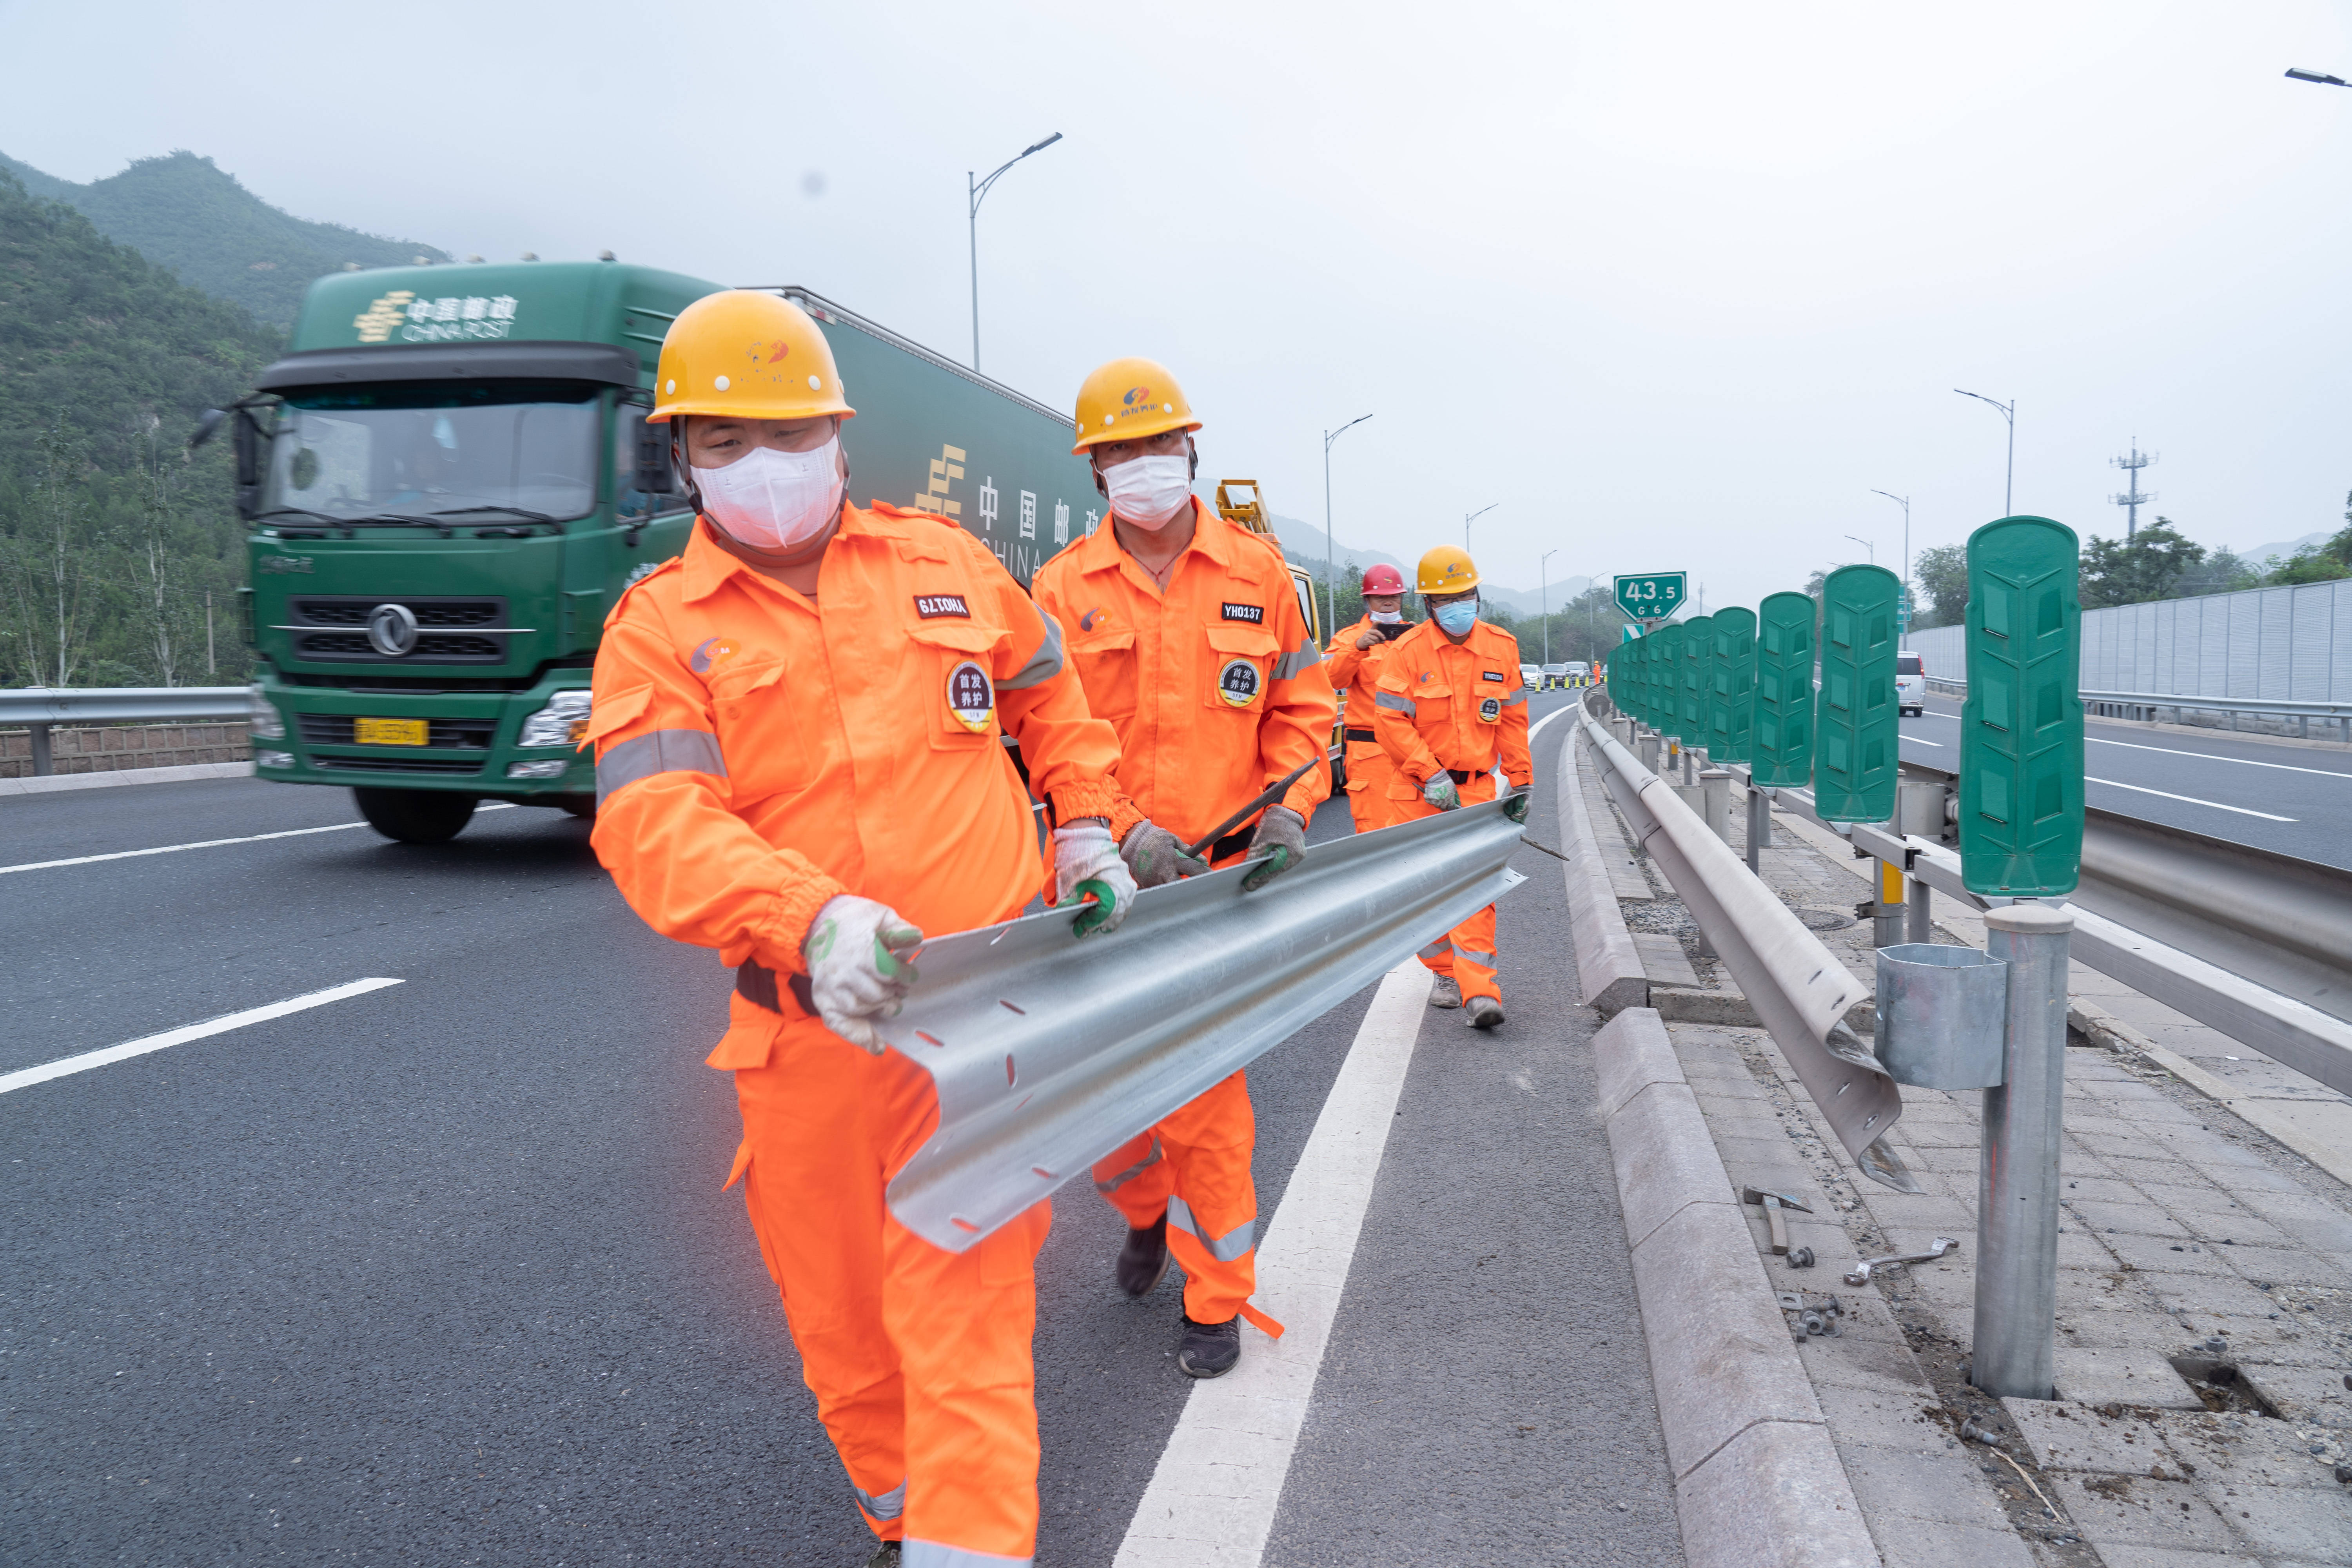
(2296, 800)
(437, 1269)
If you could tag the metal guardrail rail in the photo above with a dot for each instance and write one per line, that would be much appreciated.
(1796, 984)
(1049, 1052)
(2179, 702)
(36, 709)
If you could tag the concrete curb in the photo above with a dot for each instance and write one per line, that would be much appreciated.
(1606, 961)
(181, 775)
(1757, 1478)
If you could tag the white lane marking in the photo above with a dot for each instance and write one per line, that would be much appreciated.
(212, 843)
(1537, 728)
(26, 1077)
(1918, 740)
(1211, 1501)
(2242, 811)
(2211, 757)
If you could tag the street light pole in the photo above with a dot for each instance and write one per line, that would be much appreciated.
(1331, 572)
(1866, 546)
(1543, 598)
(1469, 516)
(2008, 484)
(975, 192)
(1904, 502)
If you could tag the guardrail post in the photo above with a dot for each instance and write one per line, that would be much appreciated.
(1759, 828)
(42, 765)
(1716, 792)
(1888, 920)
(1648, 752)
(1919, 913)
(2017, 1183)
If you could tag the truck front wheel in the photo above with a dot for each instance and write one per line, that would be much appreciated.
(415, 815)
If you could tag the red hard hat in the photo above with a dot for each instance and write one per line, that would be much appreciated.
(1383, 579)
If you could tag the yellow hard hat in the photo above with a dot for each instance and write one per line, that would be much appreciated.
(1127, 399)
(1447, 568)
(753, 355)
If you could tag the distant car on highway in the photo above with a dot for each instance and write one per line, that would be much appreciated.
(1578, 670)
(1910, 683)
(1532, 676)
(1554, 675)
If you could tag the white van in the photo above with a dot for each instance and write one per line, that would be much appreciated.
(1910, 683)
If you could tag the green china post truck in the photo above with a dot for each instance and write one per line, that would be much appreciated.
(449, 482)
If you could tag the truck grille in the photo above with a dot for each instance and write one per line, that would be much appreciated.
(335, 729)
(393, 765)
(441, 622)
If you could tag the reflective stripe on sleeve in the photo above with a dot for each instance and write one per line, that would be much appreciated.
(1516, 698)
(1401, 704)
(657, 752)
(1298, 662)
(931, 1554)
(1043, 665)
(1132, 1170)
(888, 1505)
(1234, 1243)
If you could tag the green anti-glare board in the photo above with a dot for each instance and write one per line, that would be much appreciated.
(1666, 678)
(1784, 692)
(1856, 718)
(1731, 690)
(2021, 723)
(1693, 684)
(1644, 656)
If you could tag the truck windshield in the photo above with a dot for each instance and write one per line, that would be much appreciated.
(428, 449)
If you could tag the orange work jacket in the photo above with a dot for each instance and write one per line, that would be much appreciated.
(1213, 685)
(1443, 707)
(757, 754)
(1355, 675)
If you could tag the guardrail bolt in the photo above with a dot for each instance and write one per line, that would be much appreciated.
(2016, 1181)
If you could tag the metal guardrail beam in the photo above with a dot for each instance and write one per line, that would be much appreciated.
(1049, 1052)
(2277, 707)
(1799, 989)
(109, 705)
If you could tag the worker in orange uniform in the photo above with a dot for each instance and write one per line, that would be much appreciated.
(1189, 638)
(1353, 662)
(1451, 708)
(797, 728)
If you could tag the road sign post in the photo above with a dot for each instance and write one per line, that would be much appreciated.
(1652, 595)
(1855, 760)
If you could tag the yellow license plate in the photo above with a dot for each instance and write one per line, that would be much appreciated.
(388, 731)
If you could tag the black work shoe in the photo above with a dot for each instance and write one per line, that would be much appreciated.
(1485, 1012)
(1143, 1260)
(885, 1556)
(1209, 1349)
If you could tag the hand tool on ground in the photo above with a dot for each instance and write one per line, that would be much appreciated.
(1773, 1203)
(1264, 799)
(1860, 1273)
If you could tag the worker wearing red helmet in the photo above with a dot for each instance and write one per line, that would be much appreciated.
(1353, 662)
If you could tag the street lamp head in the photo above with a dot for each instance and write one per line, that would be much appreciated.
(2294, 75)
(1040, 146)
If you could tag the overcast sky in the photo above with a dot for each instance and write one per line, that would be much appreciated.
(1675, 285)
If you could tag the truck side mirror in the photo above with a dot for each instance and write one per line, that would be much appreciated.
(205, 427)
(653, 475)
(246, 441)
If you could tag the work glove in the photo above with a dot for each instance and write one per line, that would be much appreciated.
(1279, 843)
(1515, 806)
(1440, 792)
(857, 953)
(1085, 862)
(1157, 856)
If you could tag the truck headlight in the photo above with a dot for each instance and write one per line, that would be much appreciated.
(563, 722)
(263, 721)
(551, 769)
(273, 759)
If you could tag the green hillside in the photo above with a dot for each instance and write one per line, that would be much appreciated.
(216, 236)
(112, 535)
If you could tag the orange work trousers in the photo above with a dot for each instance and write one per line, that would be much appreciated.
(919, 1358)
(1369, 773)
(1194, 1167)
(1467, 952)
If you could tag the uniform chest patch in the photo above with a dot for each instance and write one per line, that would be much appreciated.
(1490, 709)
(711, 651)
(1490, 675)
(1238, 682)
(971, 696)
(1255, 614)
(931, 607)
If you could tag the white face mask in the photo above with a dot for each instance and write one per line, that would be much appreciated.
(1387, 617)
(1150, 492)
(774, 500)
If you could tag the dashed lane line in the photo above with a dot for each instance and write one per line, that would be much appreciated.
(1211, 1501)
(2216, 757)
(65, 1066)
(2192, 800)
(214, 843)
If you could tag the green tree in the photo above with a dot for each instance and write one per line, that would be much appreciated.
(2311, 563)
(2221, 572)
(1941, 574)
(2134, 570)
